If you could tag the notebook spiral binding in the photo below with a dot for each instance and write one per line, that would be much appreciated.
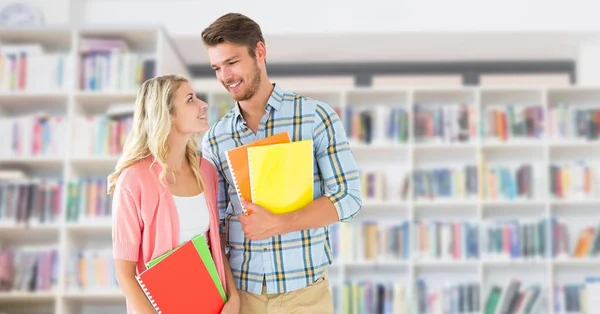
(147, 293)
(235, 181)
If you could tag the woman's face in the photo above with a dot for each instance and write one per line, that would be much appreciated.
(189, 115)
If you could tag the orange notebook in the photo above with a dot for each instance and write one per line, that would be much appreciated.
(181, 283)
(237, 159)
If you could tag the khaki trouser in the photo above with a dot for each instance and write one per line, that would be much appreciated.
(314, 299)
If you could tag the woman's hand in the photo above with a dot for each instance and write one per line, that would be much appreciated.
(232, 306)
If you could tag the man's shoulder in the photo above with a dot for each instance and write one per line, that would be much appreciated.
(308, 102)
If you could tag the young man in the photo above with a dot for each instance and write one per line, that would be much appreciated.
(272, 255)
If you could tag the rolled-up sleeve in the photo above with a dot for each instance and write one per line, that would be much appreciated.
(209, 151)
(336, 163)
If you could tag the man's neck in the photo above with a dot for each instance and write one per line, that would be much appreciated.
(255, 106)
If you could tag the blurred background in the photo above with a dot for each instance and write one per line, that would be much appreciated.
(474, 123)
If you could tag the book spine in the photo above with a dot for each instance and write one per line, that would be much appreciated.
(148, 295)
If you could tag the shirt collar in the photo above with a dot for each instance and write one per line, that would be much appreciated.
(275, 101)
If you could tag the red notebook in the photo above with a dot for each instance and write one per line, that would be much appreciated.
(181, 284)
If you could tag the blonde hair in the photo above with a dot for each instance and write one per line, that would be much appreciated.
(151, 128)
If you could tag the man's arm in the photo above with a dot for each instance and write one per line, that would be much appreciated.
(342, 197)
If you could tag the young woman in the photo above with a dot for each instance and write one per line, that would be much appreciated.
(164, 192)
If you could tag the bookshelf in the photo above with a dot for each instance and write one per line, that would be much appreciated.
(83, 85)
(504, 230)
(406, 162)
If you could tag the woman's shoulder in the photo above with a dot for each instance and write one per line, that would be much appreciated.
(207, 168)
(138, 176)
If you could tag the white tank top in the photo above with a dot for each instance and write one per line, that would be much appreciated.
(194, 216)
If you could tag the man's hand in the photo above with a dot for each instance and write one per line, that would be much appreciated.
(259, 223)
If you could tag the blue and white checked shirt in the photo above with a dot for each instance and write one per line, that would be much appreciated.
(291, 261)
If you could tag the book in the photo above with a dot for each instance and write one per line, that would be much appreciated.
(281, 175)
(200, 243)
(237, 160)
(180, 281)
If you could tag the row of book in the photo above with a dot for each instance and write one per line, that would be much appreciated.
(36, 134)
(516, 240)
(370, 296)
(378, 125)
(515, 297)
(29, 67)
(586, 241)
(570, 298)
(512, 122)
(109, 65)
(508, 182)
(375, 185)
(101, 135)
(458, 123)
(500, 239)
(372, 241)
(29, 201)
(574, 122)
(577, 297)
(457, 298)
(28, 269)
(446, 240)
(445, 183)
(87, 200)
(569, 180)
(572, 180)
(444, 123)
(91, 270)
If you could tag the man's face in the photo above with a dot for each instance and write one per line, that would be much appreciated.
(235, 69)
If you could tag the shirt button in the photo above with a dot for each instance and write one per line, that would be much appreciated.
(265, 249)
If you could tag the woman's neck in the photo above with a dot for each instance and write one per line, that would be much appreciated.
(176, 160)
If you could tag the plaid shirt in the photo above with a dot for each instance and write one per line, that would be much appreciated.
(294, 260)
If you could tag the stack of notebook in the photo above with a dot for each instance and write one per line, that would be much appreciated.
(274, 172)
(184, 279)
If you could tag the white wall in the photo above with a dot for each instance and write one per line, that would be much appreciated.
(186, 17)
(550, 29)
(54, 11)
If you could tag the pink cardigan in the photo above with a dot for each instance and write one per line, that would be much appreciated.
(145, 221)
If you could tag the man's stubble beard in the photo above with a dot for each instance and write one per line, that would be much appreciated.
(253, 85)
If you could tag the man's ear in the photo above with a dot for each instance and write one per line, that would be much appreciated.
(261, 51)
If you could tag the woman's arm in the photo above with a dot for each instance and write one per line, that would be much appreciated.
(125, 273)
(233, 297)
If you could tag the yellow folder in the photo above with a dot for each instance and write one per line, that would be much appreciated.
(281, 175)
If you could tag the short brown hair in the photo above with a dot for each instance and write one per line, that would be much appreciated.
(234, 28)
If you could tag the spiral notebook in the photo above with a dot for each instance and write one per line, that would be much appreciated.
(179, 282)
(200, 243)
(281, 175)
(237, 160)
